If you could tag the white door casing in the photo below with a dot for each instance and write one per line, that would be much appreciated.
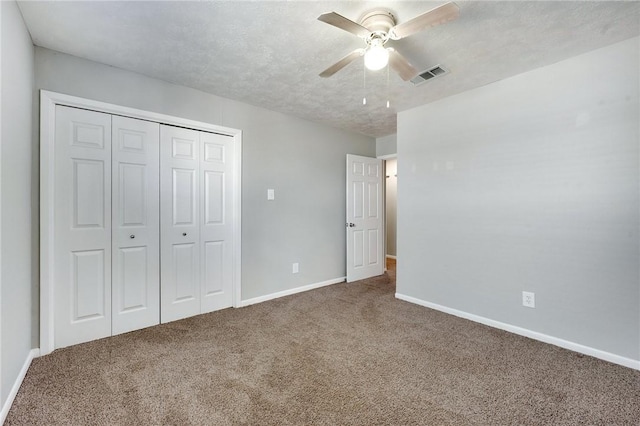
(216, 225)
(365, 239)
(135, 225)
(180, 217)
(82, 226)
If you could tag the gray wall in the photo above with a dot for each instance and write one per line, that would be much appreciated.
(391, 204)
(303, 161)
(530, 183)
(15, 192)
(386, 145)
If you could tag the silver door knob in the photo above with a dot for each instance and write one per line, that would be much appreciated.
(132, 236)
(351, 225)
(184, 234)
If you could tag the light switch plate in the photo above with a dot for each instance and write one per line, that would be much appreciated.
(271, 194)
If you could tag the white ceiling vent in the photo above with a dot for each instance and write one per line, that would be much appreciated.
(429, 74)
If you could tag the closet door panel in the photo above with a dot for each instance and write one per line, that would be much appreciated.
(184, 271)
(132, 288)
(216, 226)
(136, 224)
(213, 277)
(180, 216)
(82, 226)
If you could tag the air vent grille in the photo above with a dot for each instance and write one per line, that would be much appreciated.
(429, 74)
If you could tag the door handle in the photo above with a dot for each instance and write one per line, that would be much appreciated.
(132, 236)
(351, 225)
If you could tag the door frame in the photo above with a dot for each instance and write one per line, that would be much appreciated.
(48, 102)
(384, 159)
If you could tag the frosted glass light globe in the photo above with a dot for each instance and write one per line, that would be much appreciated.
(376, 57)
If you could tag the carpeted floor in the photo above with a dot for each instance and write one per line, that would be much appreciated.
(343, 354)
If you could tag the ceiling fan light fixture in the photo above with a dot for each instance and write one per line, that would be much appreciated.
(376, 57)
(376, 27)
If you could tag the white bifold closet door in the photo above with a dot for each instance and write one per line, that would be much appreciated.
(196, 222)
(136, 224)
(106, 225)
(82, 226)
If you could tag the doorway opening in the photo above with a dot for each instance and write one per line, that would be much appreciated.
(390, 206)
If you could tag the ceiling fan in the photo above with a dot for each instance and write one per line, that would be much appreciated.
(379, 26)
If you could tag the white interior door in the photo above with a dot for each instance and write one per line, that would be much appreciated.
(365, 241)
(135, 226)
(216, 226)
(82, 226)
(179, 215)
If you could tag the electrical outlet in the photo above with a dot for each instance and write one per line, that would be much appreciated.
(528, 299)
(296, 268)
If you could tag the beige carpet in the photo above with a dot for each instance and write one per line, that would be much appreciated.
(344, 354)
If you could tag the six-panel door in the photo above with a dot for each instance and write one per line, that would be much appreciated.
(180, 216)
(82, 226)
(216, 230)
(136, 228)
(365, 252)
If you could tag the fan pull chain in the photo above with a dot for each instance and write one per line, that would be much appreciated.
(364, 85)
(388, 103)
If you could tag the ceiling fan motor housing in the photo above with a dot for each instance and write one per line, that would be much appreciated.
(379, 22)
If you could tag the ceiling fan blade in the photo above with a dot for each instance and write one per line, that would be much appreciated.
(345, 24)
(401, 65)
(441, 14)
(342, 63)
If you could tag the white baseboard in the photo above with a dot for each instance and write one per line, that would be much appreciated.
(390, 256)
(576, 347)
(33, 353)
(289, 292)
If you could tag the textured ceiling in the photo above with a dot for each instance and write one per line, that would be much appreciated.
(269, 53)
